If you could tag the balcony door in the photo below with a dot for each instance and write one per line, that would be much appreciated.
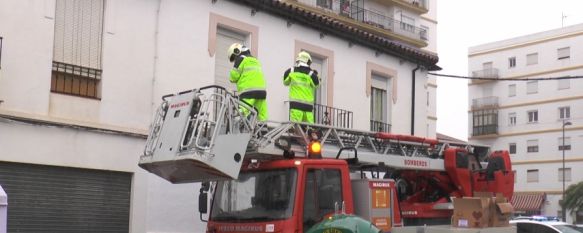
(321, 65)
(225, 38)
(379, 104)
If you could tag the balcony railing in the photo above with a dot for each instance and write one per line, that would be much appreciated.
(418, 3)
(486, 73)
(485, 102)
(326, 115)
(346, 9)
(379, 126)
(485, 130)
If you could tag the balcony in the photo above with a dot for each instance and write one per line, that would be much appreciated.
(379, 126)
(417, 6)
(326, 115)
(382, 23)
(485, 130)
(491, 73)
(485, 103)
(485, 122)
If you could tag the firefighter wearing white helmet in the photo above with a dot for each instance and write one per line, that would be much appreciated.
(247, 74)
(302, 81)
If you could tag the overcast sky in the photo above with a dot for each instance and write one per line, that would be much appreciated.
(466, 23)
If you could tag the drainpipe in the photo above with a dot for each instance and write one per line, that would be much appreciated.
(155, 60)
(413, 99)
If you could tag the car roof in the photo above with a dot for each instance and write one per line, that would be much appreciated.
(548, 223)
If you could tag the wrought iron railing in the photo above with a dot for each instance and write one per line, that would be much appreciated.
(379, 126)
(350, 10)
(485, 102)
(326, 115)
(75, 80)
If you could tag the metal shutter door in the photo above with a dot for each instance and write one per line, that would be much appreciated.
(62, 199)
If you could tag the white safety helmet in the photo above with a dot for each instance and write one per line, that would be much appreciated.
(304, 57)
(234, 50)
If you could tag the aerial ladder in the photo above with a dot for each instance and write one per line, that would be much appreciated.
(207, 134)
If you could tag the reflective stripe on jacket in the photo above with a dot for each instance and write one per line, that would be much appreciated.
(302, 82)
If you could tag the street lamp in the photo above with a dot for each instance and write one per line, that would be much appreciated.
(564, 215)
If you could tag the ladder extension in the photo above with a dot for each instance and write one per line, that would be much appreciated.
(205, 134)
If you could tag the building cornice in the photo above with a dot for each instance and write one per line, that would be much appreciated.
(538, 102)
(429, 19)
(331, 25)
(524, 44)
(527, 75)
(35, 119)
(524, 162)
(492, 136)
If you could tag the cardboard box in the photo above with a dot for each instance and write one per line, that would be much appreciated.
(503, 211)
(471, 212)
(500, 209)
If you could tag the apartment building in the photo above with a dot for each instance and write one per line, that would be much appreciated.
(80, 80)
(528, 118)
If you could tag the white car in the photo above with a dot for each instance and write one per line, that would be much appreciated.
(529, 226)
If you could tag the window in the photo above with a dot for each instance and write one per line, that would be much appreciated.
(407, 23)
(532, 87)
(484, 122)
(532, 146)
(567, 174)
(532, 176)
(512, 62)
(324, 3)
(77, 47)
(567, 145)
(532, 59)
(563, 53)
(512, 148)
(564, 84)
(512, 118)
(423, 32)
(322, 192)
(378, 109)
(564, 113)
(511, 90)
(532, 116)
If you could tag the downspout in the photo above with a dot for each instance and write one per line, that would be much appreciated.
(155, 60)
(413, 99)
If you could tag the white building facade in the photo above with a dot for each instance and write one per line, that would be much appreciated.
(80, 80)
(527, 117)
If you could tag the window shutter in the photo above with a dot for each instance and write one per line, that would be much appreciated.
(78, 32)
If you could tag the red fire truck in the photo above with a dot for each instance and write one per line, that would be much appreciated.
(295, 177)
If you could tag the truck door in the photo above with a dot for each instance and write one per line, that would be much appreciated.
(322, 191)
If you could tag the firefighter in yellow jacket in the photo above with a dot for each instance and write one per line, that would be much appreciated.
(302, 81)
(247, 74)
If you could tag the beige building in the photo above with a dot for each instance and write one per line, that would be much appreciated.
(80, 79)
(527, 117)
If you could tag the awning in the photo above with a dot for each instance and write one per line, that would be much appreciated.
(527, 201)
